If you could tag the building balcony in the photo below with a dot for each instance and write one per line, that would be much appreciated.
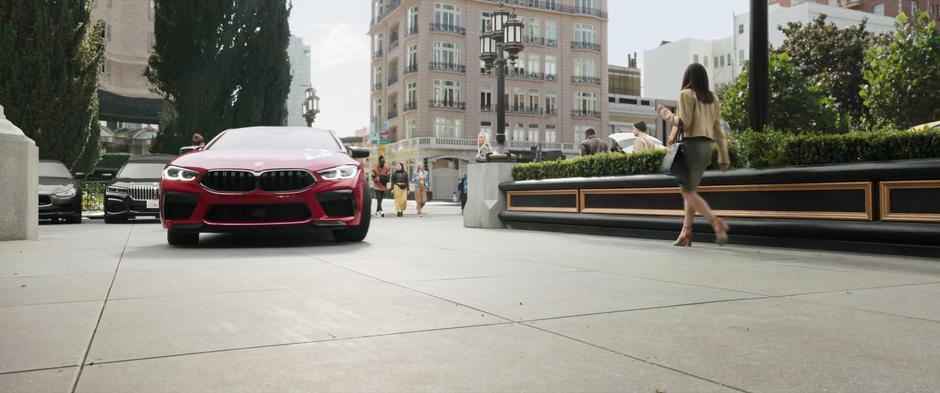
(535, 40)
(377, 54)
(386, 11)
(550, 112)
(451, 67)
(392, 113)
(410, 106)
(377, 86)
(448, 104)
(585, 113)
(393, 44)
(524, 110)
(586, 46)
(486, 108)
(585, 80)
(412, 31)
(551, 42)
(392, 79)
(448, 28)
(410, 69)
(553, 6)
(551, 77)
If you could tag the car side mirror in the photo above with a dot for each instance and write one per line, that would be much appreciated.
(79, 174)
(358, 152)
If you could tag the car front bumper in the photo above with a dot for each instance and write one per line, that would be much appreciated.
(188, 206)
(123, 206)
(52, 207)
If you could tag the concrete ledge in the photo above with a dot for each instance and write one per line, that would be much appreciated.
(19, 181)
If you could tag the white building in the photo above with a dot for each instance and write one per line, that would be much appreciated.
(300, 80)
(723, 58)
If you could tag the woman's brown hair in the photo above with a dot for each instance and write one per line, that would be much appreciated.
(696, 78)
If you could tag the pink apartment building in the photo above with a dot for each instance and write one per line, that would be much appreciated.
(430, 98)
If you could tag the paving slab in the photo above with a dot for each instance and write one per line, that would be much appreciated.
(455, 267)
(562, 294)
(45, 336)
(483, 359)
(47, 381)
(774, 345)
(137, 328)
(916, 301)
(18, 291)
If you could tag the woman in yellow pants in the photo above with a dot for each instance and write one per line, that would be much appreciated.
(400, 189)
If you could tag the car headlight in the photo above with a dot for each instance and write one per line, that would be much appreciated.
(179, 174)
(117, 190)
(340, 172)
(68, 193)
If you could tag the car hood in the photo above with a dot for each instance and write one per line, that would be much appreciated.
(261, 160)
(51, 185)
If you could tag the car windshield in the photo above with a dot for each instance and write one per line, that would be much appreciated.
(141, 170)
(276, 139)
(54, 169)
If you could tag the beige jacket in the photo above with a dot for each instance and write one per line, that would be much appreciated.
(643, 143)
(699, 120)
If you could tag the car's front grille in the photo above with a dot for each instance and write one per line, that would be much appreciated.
(144, 193)
(286, 212)
(285, 180)
(230, 181)
(45, 200)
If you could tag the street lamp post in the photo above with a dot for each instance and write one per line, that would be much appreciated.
(311, 106)
(500, 45)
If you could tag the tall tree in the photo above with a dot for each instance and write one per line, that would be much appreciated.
(49, 70)
(219, 64)
(796, 104)
(904, 74)
(833, 58)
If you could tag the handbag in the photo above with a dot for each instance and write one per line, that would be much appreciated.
(674, 161)
(384, 180)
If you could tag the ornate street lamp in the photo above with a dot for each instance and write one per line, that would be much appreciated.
(311, 105)
(500, 44)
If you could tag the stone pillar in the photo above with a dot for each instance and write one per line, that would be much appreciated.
(19, 181)
(484, 199)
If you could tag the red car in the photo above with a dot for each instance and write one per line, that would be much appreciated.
(266, 177)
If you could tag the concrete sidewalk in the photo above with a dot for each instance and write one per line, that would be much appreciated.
(425, 305)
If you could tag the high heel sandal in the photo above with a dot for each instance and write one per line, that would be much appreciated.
(721, 231)
(685, 237)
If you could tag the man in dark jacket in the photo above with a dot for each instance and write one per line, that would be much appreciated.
(592, 144)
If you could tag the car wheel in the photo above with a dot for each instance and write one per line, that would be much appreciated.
(179, 238)
(74, 219)
(358, 233)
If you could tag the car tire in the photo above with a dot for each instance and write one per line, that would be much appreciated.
(74, 219)
(180, 238)
(358, 233)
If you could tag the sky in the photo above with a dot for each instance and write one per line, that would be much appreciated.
(337, 32)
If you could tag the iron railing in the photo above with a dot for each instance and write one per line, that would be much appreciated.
(586, 45)
(448, 104)
(452, 67)
(585, 113)
(410, 106)
(410, 68)
(585, 80)
(448, 28)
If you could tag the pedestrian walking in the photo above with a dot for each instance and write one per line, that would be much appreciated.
(592, 144)
(380, 180)
(400, 189)
(698, 123)
(422, 185)
(462, 190)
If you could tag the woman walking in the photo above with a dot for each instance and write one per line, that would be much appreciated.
(699, 116)
(400, 188)
(422, 184)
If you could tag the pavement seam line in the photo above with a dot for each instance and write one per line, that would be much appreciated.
(265, 346)
(37, 369)
(651, 363)
(104, 304)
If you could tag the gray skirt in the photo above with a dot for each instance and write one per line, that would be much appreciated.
(697, 153)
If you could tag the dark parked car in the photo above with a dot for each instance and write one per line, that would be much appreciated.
(267, 177)
(135, 191)
(60, 193)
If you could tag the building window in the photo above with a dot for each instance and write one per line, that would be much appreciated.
(833, 3)
(534, 98)
(518, 99)
(446, 15)
(377, 7)
(411, 59)
(377, 77)
(551, 102)
(377, 44)
(106, 67)
(411, 95)
(551, 135)
(518, 132)
(411, 128)
(377, 109)
(151, 41)
(412, 24)
(585, 5)
(722, 61)
(741, 29)
(695, 58)
(715, 59)
(729, 59)
(585, 33)
(486, 98)
(446, 53)
(447, 92)
(532, 28)
(585, 67)
(585, 102)
(741, 55)
(551, 33)
(487, 127)
(445, 127)
(535, 63)
(913, 8)
(551, 68)
(533, 133)
(485, 20)
(152, 8)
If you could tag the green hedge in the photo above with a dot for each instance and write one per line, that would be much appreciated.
(755, 150)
